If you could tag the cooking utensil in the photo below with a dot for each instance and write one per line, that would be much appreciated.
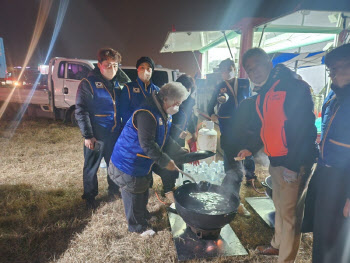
(192, 156)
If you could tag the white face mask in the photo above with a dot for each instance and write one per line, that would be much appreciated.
(232, 74)
(145, 76)
(108, 73)
(172, 110)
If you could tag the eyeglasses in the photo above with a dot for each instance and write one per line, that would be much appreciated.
(110, 65)
(333, 71)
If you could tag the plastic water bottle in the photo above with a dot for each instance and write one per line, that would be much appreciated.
(103, 163)
(207, 140)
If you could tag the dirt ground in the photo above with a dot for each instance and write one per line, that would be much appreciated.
(43, 218)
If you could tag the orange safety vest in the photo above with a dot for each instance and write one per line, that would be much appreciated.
(272, 132)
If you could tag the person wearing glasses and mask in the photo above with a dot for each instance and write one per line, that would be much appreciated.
(135, 93)
(327, 205)
(143, 143)
(98, 117)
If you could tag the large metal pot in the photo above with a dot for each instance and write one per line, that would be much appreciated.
(192, 212)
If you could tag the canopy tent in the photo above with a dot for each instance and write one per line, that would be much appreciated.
(200, 41)
(299, 60)
(303, 31)
(310, 66)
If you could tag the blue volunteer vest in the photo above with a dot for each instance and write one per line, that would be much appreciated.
(335, 142)
(137, 96)
(105, 108)
(128, 155)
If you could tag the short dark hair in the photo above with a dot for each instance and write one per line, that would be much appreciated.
(187, 81)
(337, 54)
(254, 52)
(106, 53)
(227, 63)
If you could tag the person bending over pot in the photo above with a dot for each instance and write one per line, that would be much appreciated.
(143, 143)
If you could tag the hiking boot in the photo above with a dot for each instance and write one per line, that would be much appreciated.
(91, 203)
(112, 196)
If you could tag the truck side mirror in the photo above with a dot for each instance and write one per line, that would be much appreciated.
(65, 90)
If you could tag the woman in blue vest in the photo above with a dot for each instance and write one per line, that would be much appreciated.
(327, 207)
(98, 116)
(142, 144)
(135, 93)
(184, 122)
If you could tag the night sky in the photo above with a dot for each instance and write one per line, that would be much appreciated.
(135, 28)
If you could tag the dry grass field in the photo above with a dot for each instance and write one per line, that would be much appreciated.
(43, 218)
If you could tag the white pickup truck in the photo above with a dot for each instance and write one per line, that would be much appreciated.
(56, 92)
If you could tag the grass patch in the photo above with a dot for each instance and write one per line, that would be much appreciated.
(36, 225)
(43, 218)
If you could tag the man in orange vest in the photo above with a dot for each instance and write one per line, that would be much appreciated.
(284, 117)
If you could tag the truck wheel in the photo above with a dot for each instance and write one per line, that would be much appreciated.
(73, 120)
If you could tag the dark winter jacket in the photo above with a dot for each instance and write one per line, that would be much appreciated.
(226, 110)
(132, 96)
(298, 132)
(86, 107)
(184, 120)
(335, 142)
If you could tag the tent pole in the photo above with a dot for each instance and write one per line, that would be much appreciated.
(199, 68)
(228, 46)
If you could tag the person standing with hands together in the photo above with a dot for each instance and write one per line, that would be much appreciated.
(97, 114)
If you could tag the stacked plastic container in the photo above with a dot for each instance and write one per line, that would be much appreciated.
(213, 173)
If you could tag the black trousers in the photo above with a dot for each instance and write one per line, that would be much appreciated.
(134, 190)
(135, 207)
(92, 160)
(325, 200)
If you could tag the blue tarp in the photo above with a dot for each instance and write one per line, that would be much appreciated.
(302, 59)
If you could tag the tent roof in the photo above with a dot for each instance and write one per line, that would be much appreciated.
(195, 41)
(300, 29)
(287, 32)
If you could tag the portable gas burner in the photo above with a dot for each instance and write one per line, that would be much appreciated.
(194, 243)
(205, 234)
